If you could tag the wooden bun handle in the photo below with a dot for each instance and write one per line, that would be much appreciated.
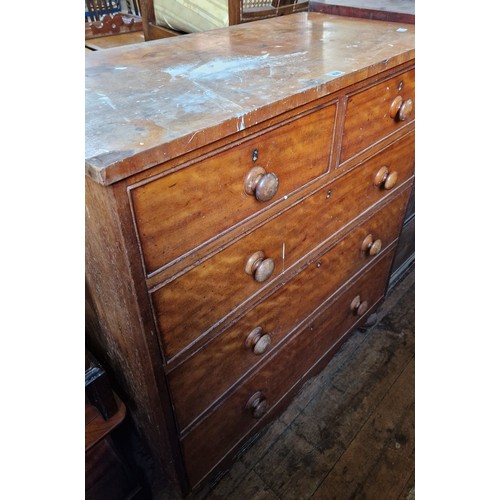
(257, 404)
(260, 267)
(357, 307)
(261, 184)
(371, 246)
(385, 179)
(258, 341)
(401, 110)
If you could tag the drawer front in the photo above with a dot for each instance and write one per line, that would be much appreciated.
(373, 113)
(182, 210)
(231, 422)
(204, 377)
(365, 185)
(191, 304)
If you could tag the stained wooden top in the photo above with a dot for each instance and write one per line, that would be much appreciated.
(150, 102)
(383, 10)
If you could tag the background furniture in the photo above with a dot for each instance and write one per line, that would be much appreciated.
(401, 11)
(162, 17)
(108, 476)
(108, 23)
(239, 224)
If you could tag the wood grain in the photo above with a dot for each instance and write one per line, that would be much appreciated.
(386, 438)
(96, 428)
(108, 42)
(202, 379)
(121, 339)
(368, 111)
(148, 103)
(224, 428)
(166, 272)
(400, 11)
(188, 306)
(208, 197)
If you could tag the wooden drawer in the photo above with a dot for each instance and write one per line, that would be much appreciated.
(231, 422)
(181, 211)
(205, 376)
(360, 188)
(190, 305)
(368, 114)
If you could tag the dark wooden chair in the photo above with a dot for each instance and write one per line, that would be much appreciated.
(238, 11)
(107, 17)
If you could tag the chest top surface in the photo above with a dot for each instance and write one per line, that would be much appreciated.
(150, 102)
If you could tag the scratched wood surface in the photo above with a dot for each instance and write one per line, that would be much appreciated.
(382, 10)
(147, 103)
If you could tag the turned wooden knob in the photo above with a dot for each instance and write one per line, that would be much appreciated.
(258, 341)
(261, 184)
(385, 179)
(406, 110)
(370, 246)
(357, 307)
(400, 110)
(259, 267)
(257, 404)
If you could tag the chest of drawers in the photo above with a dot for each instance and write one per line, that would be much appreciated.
(245, 194)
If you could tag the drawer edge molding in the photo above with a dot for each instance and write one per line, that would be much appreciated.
(273, 410)
(149, 199)
(278, 281)
(329, 333)
(296, 330)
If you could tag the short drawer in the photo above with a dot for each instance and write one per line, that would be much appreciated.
(206, 375)
(232, 421)
(377, 112)
(180, 211)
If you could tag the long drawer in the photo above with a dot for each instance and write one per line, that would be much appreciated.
(183, 210)
(191, 304)
(206, 375)
(209, 442)
(376, 112)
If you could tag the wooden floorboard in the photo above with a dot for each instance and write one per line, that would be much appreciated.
(408, 492)
(379, 460)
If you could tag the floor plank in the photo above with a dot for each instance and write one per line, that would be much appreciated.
(380, 458)
(408, 492)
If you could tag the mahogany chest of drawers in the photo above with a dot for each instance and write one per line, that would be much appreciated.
(245, 193)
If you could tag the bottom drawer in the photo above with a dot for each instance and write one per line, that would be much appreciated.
(220, 432)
